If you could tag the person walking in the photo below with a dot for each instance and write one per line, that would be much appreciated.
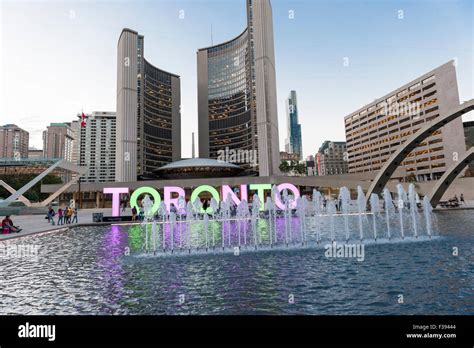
(461, 198)
(74, 218)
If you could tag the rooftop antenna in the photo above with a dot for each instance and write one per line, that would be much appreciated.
(212, 38)
(193, 151)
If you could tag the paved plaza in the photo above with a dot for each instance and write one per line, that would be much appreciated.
(32, 224)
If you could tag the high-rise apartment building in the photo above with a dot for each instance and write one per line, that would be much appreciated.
(76, 134)
(95, 146)
(293, 142)
(13, 142)
(376, 130)
(331, 158)
(237, 104)
(57, 141)
(148, 112)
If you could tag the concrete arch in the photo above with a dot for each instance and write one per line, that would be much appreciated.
(448, 177)
(412, 142)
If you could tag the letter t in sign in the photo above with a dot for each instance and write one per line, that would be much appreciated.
(116, 191)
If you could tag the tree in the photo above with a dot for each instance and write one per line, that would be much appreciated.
(284, 167)
(293, 167)
(300, 168)
(412, 180)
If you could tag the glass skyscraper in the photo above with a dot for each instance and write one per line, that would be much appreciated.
(293, 143)
(237, 94)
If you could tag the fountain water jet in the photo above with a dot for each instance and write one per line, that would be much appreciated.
(375, 209)
(344, 206)
(402, 198)
(413, 207)
(362, 207)
(389, 208)
(317, 213)
(427, 209)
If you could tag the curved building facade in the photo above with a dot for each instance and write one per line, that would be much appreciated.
(148, 112)
(237, 95)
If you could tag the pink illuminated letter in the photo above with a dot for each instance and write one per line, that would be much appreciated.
(115, 191)
(168, 194)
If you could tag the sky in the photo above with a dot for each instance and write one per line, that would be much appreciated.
(58, 58)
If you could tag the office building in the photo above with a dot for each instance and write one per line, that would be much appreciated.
(288, 157)
(237, 103)
(331, 158)
(13, 141)
(376, 130)
(148, 112)
(293, 142)
(310, 167)
(57, 141)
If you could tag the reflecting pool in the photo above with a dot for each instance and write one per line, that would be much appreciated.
(97, 270)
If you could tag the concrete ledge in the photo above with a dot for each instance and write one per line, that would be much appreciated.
(61, 229)
(453, 209)
(31, 233)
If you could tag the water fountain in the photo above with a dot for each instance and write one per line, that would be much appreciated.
(284, 222)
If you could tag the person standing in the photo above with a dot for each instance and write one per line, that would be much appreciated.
(74, 218)
(461, 198)
(51, 214)
(69, 215)
(60, 216)
(134, 214)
